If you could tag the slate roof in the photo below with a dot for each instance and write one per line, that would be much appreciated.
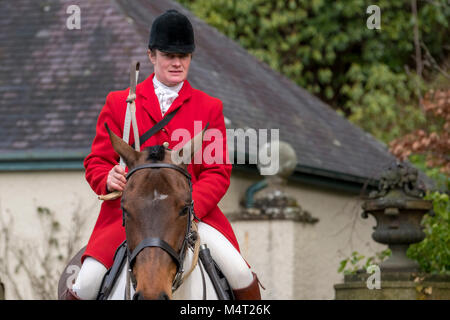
(54, 81)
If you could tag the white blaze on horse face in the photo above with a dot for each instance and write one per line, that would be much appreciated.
(158, 196)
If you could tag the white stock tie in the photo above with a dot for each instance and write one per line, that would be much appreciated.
(166, 95)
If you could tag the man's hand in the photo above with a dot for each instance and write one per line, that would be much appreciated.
(116, 179)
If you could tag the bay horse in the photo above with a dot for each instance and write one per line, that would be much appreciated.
(157, 210)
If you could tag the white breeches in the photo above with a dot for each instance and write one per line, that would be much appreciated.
(223, 252)
(89, 279)
(226, 256)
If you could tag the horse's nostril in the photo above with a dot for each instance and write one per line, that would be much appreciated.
(138, 296)
(163, 296)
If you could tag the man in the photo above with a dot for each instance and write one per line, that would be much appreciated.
(170, 51)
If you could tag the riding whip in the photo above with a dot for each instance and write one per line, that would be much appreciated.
(130, 116)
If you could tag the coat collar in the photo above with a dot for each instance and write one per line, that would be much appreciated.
(150, 102)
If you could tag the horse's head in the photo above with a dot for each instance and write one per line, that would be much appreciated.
(155, 203)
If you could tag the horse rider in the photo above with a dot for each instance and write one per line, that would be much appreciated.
(170, 51)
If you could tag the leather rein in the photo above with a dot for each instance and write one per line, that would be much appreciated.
(189, 238)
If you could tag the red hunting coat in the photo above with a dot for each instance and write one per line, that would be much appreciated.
(210, 181)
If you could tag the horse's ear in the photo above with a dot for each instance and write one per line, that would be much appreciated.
(188, 151)
(128, 154)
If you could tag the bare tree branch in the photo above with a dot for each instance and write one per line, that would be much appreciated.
(41, 262)
(433, 62)
(418, 56)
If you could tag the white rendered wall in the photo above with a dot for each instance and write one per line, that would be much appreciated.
(293, 260)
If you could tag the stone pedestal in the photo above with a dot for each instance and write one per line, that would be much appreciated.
(395, 286)
(270, 227)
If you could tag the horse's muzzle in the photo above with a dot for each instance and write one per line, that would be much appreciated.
(162, 296)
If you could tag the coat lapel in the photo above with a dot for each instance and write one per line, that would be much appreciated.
(150, 102)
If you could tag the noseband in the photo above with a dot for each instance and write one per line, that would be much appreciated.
(189, 237)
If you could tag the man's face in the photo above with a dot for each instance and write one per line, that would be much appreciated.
(170, 68)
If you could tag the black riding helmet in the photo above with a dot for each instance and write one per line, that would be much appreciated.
(172, 32)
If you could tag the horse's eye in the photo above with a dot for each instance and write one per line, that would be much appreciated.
(184, 211)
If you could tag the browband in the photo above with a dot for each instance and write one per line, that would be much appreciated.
(156, 166)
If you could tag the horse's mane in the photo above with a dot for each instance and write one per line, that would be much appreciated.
(156, 153)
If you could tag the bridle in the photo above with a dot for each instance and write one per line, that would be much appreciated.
(189, 238)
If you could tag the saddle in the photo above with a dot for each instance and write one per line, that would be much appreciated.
(70, 273)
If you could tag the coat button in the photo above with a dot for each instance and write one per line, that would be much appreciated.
(163, 130)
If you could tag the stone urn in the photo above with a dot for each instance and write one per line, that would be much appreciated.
(398, 208)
